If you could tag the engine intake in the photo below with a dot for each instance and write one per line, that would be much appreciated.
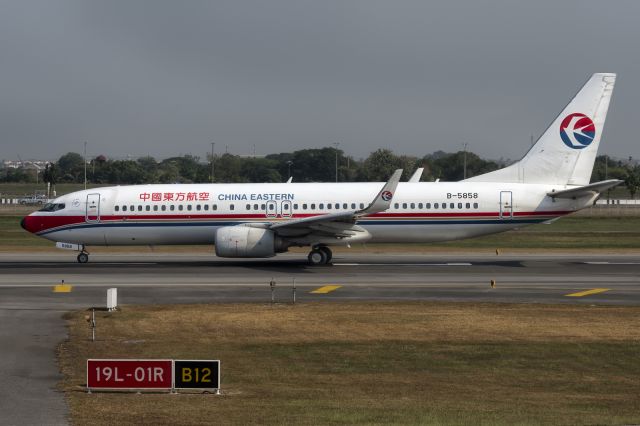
(245, 241)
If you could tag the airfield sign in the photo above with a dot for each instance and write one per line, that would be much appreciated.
(152, 374)
(134, 374)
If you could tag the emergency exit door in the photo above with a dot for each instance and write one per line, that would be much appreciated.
(93, 208)
(506, 205)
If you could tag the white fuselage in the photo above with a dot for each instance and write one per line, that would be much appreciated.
(191, 213)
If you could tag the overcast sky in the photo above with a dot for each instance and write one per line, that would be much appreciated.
(169, 77)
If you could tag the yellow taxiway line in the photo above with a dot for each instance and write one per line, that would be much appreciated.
(326, 289)
(588, 292)
(62, 288)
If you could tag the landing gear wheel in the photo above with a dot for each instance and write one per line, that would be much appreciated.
(83, 257)
(327, 251)
(317, 257)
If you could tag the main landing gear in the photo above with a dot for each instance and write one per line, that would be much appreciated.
(321, 255)
(83, 257)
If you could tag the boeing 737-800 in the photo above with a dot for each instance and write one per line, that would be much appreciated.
(261, 220)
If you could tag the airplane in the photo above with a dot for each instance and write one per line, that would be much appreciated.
(260, 220)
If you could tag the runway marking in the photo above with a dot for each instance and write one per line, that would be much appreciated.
(62, 288)
(612, 263)
(405, 264)
(588, 292)
(325, 289)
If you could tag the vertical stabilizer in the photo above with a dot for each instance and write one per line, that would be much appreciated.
(567, 150)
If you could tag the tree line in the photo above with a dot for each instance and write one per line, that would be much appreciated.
(307, 165)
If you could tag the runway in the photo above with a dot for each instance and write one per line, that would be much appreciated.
(171, 278)
(31, 311)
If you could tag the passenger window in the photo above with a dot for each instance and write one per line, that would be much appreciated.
(313, 206)
(304, 206)
(452, 205)
(256, 207)
(468, 205)
(337, 206)
(155, 208)
(163, 207)
(362, 205)
(329, 206)
(428, 205)
(396, 206)
(117, 208)
(321, 206)
(345, 206)
(475, 205)
(232, 207)
(131, 208)
(263, 206)
(198, 207)
(353, 206)
(420, 205)
(215, 207)
(124, 208)
(180, 207)
(189, 207)
(147, 208)
(206, 207)
(404, 205)
(435, 205)
(172, 207)
(139, 208)
(413, 206)
(248, 206)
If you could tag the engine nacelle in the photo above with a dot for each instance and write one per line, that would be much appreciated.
(245, 241)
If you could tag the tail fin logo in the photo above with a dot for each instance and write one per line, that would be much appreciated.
(577, 131)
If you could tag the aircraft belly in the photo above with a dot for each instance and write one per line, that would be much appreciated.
(134, 235)
(160, 235)
(433, 233)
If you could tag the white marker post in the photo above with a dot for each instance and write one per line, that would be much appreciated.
(112, 299)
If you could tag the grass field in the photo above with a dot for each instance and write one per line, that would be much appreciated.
(371, 363)
(575, 232)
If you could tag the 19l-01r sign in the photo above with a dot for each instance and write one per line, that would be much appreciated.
(130, 374)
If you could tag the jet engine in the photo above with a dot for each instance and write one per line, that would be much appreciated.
(246, 241)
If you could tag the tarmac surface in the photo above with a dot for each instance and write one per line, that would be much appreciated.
(31, 312)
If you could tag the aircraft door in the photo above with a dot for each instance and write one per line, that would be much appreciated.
(286, 208)
(93, 208)
(506, 205)
(272, 209)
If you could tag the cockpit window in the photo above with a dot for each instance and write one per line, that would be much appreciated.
(52, 207)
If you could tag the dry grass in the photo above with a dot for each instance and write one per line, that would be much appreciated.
(372, 363)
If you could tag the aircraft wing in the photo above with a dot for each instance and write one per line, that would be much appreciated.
(586, 190)
(339, 225)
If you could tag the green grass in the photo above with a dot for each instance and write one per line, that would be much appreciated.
(17, 190)
(373, 363)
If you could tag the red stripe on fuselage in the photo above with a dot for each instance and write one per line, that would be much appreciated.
(41, 223)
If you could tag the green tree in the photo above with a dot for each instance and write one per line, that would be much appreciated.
(381, 164)
(632, 181)
(71, 167)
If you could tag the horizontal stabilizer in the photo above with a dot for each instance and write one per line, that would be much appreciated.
(582, 191)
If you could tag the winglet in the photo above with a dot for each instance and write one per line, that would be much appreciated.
(415, 177)
(383, 200)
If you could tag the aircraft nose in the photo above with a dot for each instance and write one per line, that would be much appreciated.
(29, 224)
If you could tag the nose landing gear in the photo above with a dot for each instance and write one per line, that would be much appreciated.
(321, 255)
(83, 257)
